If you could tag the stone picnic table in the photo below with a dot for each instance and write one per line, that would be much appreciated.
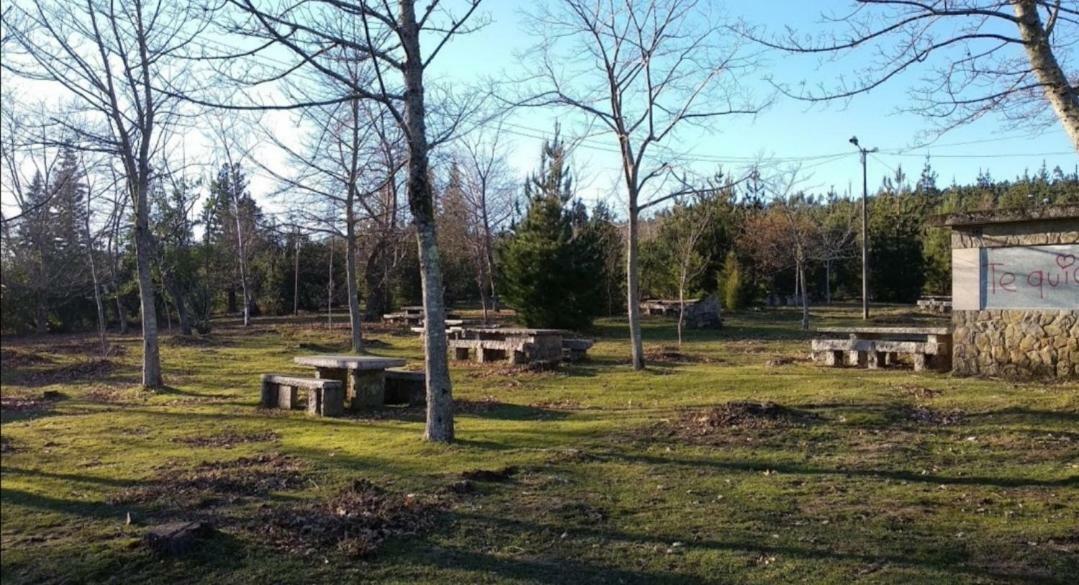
(874, 347)
(363, 376)
(513, 345)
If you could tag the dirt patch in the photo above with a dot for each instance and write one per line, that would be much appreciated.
(929, 416)
(110, 394)
(85, 370)
(24, 404)
(491, 475)
(718, 422)
(672, 356)
(355, 522)
(780, 361)
(192, 341)
(219, 481)
(480, 406)
(227, 439)
(12, 357)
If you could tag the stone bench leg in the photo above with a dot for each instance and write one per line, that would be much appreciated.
(268, 399)
(325, 402)
(287, 397)
(919, 362)
(829, 358)
(858, 358)
(875, 359)
(485, 355)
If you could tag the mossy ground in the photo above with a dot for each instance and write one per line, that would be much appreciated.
(860, 492)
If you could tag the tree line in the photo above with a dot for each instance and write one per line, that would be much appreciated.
(101, 180)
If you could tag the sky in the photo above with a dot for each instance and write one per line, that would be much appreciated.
(814, 137)
(788, 129)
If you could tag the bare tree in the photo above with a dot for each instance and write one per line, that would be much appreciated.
(837, 220)
(391, 40)
(785, 235)
(339, 162)
(688, 222)
(641, 71)
(488, 187)
(1004, 56)
(113, 59)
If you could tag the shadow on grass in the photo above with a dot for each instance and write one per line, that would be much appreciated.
(796, 469)
(936, 557)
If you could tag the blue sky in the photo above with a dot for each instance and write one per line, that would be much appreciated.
(788, 128)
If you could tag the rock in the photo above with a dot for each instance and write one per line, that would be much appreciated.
(177, 538)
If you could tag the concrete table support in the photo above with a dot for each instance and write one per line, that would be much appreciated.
(363, 378)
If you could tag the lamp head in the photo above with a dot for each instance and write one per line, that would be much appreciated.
(854, 140)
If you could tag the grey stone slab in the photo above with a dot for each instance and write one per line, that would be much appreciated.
(349, 362)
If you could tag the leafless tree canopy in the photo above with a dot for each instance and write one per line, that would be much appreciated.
(974, 57)
(638, 72)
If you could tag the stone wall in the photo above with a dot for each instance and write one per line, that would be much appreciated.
(1016, 344)
(1019, 344)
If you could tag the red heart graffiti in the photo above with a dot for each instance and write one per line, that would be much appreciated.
(1065, 260)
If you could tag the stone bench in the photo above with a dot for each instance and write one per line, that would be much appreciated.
(324, 397)
(574, 350)
(405, 387)
(875, 353)
(491, 350)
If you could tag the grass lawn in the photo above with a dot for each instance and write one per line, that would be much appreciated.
(616, 476)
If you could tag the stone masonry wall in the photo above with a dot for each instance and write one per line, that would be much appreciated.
(1016, 343)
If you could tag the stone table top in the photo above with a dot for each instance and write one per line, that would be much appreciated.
(888, 330)
(510, 331)
(349, 362)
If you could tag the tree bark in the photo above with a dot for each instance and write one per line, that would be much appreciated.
(144, 246)
(296, 279)
(804, 295)
(352, 278)
(97, 302)
(439, 426)
(828, 282)
(182, 313)
(633, 301)
(1058, 90)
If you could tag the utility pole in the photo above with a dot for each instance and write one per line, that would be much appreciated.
(865, 227)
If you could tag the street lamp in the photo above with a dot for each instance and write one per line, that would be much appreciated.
(865, 227)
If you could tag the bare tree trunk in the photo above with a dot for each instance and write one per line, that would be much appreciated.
(439, 387)
(633, 301)
(354, 317)
(329, 291)
(151, 359)
(681, 307)
(296, 279)
(177, 296)
(828, 282)
(242, 253)
(1059, 91)
(805, 296)
(97, 301)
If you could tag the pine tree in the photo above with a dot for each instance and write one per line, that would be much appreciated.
(550, 265)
